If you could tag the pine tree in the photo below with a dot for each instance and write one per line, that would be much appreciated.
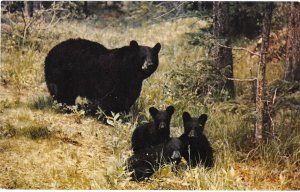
(222, 52)
(292, 61)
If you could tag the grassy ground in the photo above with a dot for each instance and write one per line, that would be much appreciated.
(44, 148)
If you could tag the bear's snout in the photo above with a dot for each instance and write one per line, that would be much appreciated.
(146, 65)
(192, 134)
(176, 155)
(162, 125)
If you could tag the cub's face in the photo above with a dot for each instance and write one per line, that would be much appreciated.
(146, 58)
(193, 127)
(162, 118)
(174, 150)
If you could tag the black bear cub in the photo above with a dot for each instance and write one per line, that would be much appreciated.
(153, 133)
(144, 164)
(197, 147)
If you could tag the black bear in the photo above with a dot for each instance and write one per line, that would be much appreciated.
(197, 147)
(153, 133)
(112, 78)
(144, 164)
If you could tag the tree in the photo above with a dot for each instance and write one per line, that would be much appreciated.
(261, 73)
(85, 8)
(222, 52)
(28, 6)
(292, 61)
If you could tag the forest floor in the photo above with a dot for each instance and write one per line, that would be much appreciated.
(77, 153)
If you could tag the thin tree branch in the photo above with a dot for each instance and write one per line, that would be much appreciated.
(228, 78)
(240, 48)
(236, 79)
(169, 11)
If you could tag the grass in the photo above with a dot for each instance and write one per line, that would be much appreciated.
(42, 147)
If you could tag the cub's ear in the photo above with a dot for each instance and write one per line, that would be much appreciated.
(153, 111)
(134, 44)
(170, 110)
(186, 117)
(156, 48)
(202, 119)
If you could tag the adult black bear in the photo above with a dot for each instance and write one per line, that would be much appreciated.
(197, 147)
(153, 133)
(144, 164)
(112, 78)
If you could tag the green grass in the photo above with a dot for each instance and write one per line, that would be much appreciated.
(43, 147)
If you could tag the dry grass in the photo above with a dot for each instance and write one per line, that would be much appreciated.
(43, 148)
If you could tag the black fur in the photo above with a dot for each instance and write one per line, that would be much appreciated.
(197, 147)
(144, 164)
(111, 78)
(153, 133)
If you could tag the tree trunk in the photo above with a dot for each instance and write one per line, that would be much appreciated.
(261, 73)
(222, 52)
(292, 61)
(37, 5)
(28, 6)
(85, 8)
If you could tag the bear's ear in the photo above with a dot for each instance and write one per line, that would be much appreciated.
(186, 116)
(170, 110)
(202, 119)
(156, 48)
(134, 44)
(153, 111)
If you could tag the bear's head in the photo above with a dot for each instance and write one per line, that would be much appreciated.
(146, 58)
(193, 127)
(173, 150)
(162, 118)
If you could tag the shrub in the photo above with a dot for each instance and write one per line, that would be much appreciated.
(199, 81)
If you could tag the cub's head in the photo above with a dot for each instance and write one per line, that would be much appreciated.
(173, 150)
(162, 118)
(193, 127)
(146, 58)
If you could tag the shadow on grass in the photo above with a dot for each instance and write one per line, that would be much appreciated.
(34, 131)
(42, 103)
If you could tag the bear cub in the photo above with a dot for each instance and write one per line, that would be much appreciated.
(153, 133)
(144, 164)
(197, 147)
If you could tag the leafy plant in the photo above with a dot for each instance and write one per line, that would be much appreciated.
(198, 81)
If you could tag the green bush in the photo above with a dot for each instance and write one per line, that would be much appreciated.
(200, 81)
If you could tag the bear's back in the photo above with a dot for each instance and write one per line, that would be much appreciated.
(82, 44)
(142, 137)
(75, 51)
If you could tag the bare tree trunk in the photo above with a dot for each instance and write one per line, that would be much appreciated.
(37, 5)
(292, 61)
(261, 74)
(85, 8)
(222, 52)
(28, 6)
